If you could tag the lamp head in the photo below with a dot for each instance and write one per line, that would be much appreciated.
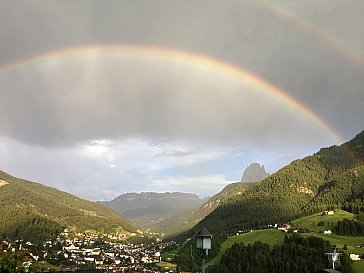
(203, 239)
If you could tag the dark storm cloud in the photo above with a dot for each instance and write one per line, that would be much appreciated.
(250, 34)
(73, 101)
(311, 49)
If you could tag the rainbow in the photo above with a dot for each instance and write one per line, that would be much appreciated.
(351, 55)
(179, 56)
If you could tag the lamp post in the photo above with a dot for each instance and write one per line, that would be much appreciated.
(203, 243)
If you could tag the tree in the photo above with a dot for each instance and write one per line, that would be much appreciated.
(12, 263)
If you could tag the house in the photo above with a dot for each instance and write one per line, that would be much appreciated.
(70, 247)
(96, 251)
(89, 259)
(354, 257)
(286, 226)
(145, 259)
(99, 260)
(4, 245)
(68, 266)
(110, 254)
(157, 256)
(328, 212)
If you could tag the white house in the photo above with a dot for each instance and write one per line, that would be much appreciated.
(354, 257)
(328, 212)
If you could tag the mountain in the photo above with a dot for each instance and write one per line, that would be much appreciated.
(254, 173)
(187, 219)
(35, 212)
(149, 209)
(330, 178)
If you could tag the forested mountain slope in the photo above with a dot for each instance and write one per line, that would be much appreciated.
(330, 178)
(173, 213)
(252, 174)
(188, 219)
(30, 210)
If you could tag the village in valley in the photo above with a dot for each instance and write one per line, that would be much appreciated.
(91, 252)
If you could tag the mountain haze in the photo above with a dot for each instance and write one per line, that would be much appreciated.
(150, 209)
(188, 219)
(174, 225)
(35, 212)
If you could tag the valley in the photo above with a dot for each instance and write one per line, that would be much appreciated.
(161, 136)
(153, 211)
(319, 196)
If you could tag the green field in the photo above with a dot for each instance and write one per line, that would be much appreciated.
(269, 236)
(327, 223)
(317, 222)
(275, 236)
(358, 266)
(352, 242)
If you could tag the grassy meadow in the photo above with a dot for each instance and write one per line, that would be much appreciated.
(358, 266)
(352, 242)
(269, 236)
(314, 223)
(318, 222)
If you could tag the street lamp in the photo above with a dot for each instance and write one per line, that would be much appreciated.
(203, 243)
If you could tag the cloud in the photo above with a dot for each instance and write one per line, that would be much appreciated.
(151, 155)
(101, 124)
(73, 101)
(103, 169)
(203, 185)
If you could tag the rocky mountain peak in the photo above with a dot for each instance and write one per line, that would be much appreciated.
(253, 173)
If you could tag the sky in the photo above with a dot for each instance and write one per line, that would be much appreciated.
(101, 98)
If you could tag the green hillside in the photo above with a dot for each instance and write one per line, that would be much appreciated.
(318, 222)
(188, 219)
(30, 210)
(269, 236)
(276, 237)
(359, 266)
(331, 178)
(295, 254)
